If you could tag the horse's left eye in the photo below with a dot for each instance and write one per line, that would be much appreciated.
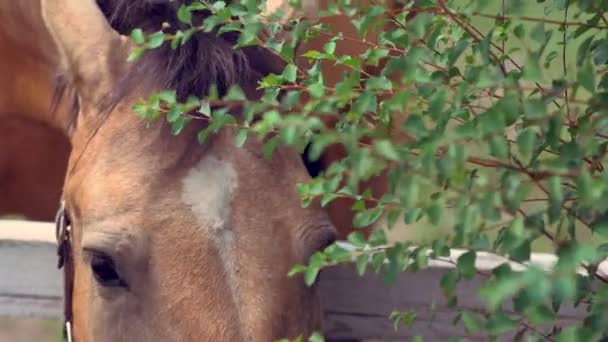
(315, 167)
(327, 238)
(105, 272)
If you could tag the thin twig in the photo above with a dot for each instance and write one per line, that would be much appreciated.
(564, 59)
(467, 28)
(540, 20)
(600, 13)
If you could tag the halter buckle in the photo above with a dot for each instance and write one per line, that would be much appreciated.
(68, 331)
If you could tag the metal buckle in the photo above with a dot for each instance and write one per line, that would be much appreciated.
(68, 331)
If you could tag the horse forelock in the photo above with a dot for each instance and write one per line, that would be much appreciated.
(206, 59)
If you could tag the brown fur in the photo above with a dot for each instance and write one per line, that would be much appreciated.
(33, 152)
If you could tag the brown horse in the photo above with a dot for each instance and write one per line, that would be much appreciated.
(171, 240)
(33, 149)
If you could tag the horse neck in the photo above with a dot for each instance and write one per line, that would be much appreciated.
(22, 22)
(27, 65)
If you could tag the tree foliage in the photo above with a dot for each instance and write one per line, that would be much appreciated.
(475, 129)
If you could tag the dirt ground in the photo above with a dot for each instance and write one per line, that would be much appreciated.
(29, 330)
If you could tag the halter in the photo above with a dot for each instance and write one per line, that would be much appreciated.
(65, 261)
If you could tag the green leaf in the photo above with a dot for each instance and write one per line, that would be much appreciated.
(316, 90)
(586, 75)
(367, 217)
(136, 54)
(535, 108)
(174, 114)
(520, 252)
(290, 73)
(330, 47)
(168, 96)
(392, 217)
(519, 31)
(539, 315)
(241, 137)
(327, 198)
(433, 212)
(410, 189)
(386, 149)
(317, 261)
(184, 14)
(456, 52)
(466, 264)
(448, 282)
(583, 51)
(179, 124)
(203, 135)
(361, 263)
(572, 334)
(310, 276)
(412, 215)
(297, 269)
(420, 24)
(357, 239)
(218, 5)
(205, 108)
(289, 135)
(316, 337)
(532, 71)
(538, 33)
(495, 292)
(270, 146)
(312, 54)
(235, 93)
(500, 323)
(156, 39)
(499, 147)
(379, 83)
(402, 318)
(137, 35)
(472, 322)
(600, 225)
(564, 288)
(584, 184)
(556, 197)
(525, 143)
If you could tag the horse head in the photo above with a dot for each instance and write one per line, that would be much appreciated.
(172, 241)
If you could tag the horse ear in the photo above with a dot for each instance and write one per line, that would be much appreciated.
(86, 44)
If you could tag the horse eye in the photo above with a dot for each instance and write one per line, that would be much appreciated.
(326, 239)
(315, 167)
(105, 272)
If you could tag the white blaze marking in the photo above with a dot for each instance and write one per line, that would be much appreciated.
(208, 190)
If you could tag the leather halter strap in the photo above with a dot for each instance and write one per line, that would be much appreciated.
(65, 261)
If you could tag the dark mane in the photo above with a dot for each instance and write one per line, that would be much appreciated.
(191, 69)
(206, 59)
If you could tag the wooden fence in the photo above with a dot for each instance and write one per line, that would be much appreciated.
(354, 307)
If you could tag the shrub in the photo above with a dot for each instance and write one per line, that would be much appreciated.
(498, 135)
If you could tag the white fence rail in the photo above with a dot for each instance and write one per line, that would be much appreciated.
(354, 307)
